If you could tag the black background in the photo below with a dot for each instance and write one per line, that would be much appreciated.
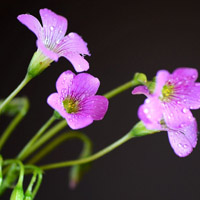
(123, 37)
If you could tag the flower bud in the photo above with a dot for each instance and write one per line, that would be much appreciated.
(141, 78)
(17, 193)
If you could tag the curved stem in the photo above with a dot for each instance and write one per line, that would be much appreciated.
(49, 134)
(95, 156)
(59, 140)
(15, 92)
(25, 151)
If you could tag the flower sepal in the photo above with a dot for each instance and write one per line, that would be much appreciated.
(38, 64)
(140, 130)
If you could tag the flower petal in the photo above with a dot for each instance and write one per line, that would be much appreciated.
(55, 102)
(96, 106)
(64, 82)
(78, 61)
(50, 54)
(176, 116)
(78, 120)
(54, 27)
(74, 43)
(84, 85)
(190, 132)
(188, 96)
(179, 142)
(30, 22)
(151, 113)
(161, 78)
(141, 90)
(187, 74)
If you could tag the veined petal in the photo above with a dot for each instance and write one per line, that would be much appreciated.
(78, 61)
(78, 120)
(30, 22)
(186, 74)
(64, 83)
(95, 106)
(151, 113)
(50, 54)
(161, 79)
(73, 43)
(55, 102)
(176, 116)
(84, 85)
(180, 143)
(188, 96)
(190, 132)
(54, 27)
(141, 90)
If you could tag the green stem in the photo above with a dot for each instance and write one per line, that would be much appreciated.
(120, 89)
(49, 134)
(25, 151)
(137, 131)
(95, 156)
(15, 92)
(10, 128)
(59, 140)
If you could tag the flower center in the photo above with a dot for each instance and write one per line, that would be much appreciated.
(167, 92)
(71, 105)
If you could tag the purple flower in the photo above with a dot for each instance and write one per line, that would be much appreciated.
(168, 107)
(76, 101)
(51, 39)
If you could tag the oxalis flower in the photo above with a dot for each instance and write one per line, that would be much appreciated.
(76, 101)
(52, 42)
(168, 107)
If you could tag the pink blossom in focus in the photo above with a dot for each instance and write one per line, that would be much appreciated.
(76, 101)
(168, 107)
(51, 39)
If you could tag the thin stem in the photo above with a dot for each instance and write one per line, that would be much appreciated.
(59, 140)
(95, 156)
(120, 89)
(10, 128)
(25, 151)
(15, 92)
(49, 134)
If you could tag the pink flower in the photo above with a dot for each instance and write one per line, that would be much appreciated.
(168, 108)
(51, 39)
(76, 101)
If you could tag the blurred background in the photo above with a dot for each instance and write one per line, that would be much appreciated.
(123, 37)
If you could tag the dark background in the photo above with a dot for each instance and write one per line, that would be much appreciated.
(123, 37)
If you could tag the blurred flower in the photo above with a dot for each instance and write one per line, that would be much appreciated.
(52, 42)
(168, 107)
(76, 101)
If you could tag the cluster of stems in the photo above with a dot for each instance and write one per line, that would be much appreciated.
(26, 161)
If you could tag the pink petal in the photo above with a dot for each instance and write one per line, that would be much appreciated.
(161, 79)
(74, 43)
(151, 113)
(141, 90)
(79, 120)
(96, 106)
(179, 142)
(78, 61)
(189, 96)
(31, 22)
(50, 54)
(64, 82)
(84, 85)
(187, 74)
(54, 27)
(190, 132)
(175, 115)
(55, 102)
